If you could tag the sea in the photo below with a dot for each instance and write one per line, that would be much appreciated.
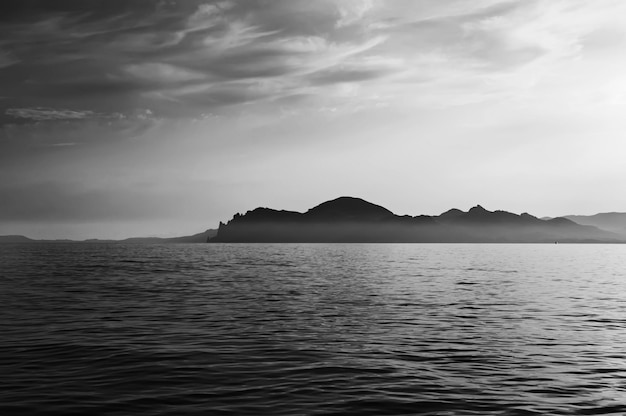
(312, 329)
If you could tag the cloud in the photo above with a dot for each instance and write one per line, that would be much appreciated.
(100, 57)
(46, 114)
(161, 73)
(64, 144)
(208, 15)
(195, 57)
(7, 59)
(359, 69)
(456, 53)
(26, 131)
(353, 11)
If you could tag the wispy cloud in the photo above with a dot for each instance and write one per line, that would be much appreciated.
(65, 144)
(7, 59)
(46, 114)
(200, 56)
(109, 58)
(353, 12)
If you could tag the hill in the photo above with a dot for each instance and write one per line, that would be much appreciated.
(196, 238)
(15, 239)
(348, 219)
(610, 221)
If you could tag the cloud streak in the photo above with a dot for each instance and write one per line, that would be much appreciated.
(7, 59)
(106, 58)
(188, 58)
(46, 114)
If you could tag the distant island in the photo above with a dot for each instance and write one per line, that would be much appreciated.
(354, 220)
(196, 238)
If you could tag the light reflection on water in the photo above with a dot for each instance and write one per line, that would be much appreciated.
(437, 329)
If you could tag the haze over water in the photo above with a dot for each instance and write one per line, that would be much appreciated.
(312, 329)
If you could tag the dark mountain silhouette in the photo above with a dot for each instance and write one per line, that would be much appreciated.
(348, 209)
(610, 221)
(451, 214)
(349, 219)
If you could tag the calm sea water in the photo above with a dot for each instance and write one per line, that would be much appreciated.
(361, 329)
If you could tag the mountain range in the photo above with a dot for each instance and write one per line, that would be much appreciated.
(348, 219)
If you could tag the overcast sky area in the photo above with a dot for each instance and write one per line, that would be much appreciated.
(124, 118)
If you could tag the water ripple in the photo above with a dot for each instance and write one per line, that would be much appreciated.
(312, 329)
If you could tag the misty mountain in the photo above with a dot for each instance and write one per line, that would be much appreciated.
(196, 238)
(15, 239)
(348, 219)
(610, 221)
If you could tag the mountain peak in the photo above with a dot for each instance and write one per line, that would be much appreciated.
(451, 214)
(477, 209)
(346, 207)
(453, 211)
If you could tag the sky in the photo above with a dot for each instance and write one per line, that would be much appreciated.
(123, 118)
